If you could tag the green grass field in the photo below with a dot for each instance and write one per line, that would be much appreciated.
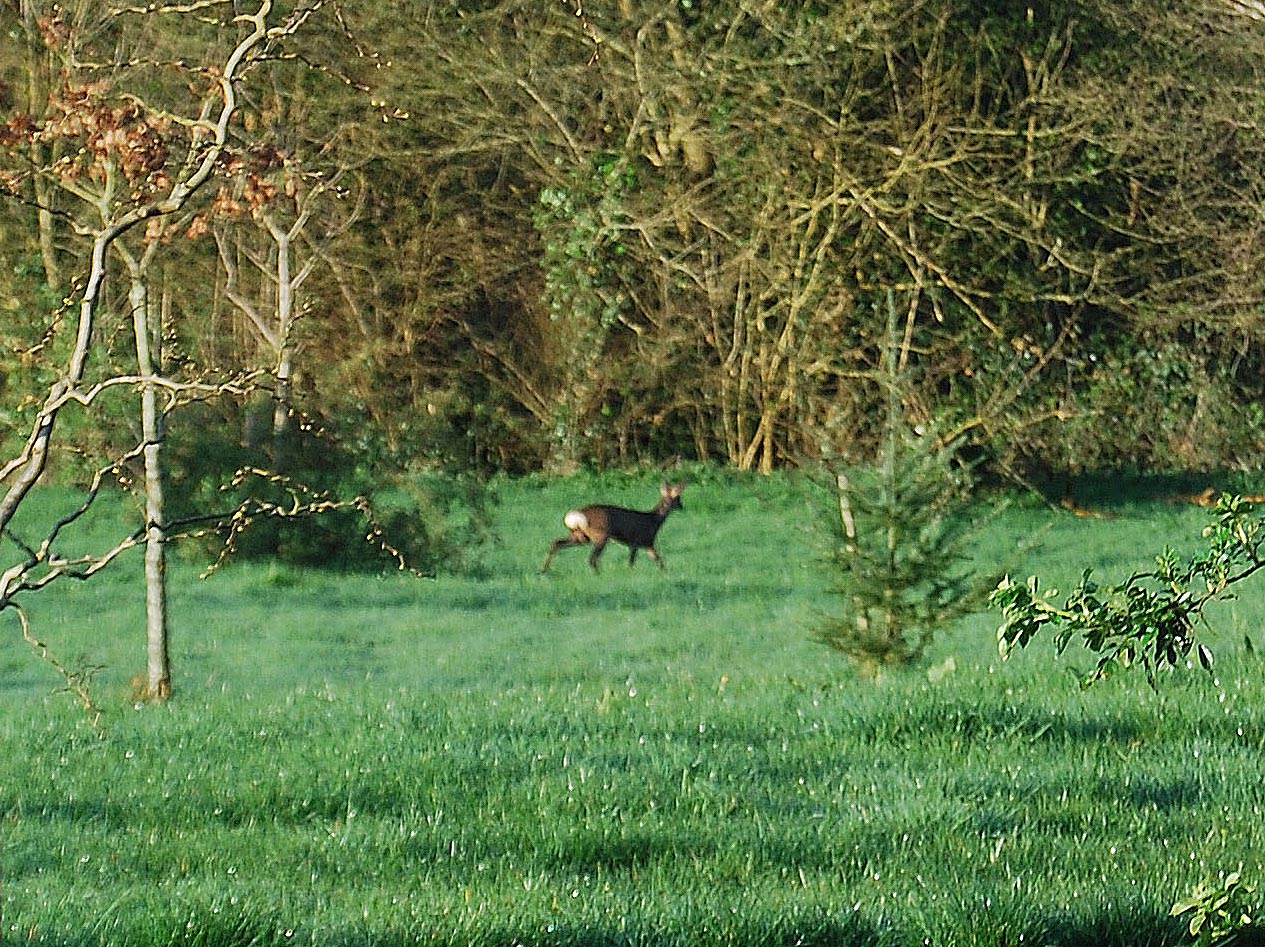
(632, 758)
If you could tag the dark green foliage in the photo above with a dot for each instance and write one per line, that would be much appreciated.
(1221, 911)
(907, 571)
(327, 505)
(900, 536)
(1175, 401)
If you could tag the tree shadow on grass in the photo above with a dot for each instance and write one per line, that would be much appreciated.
(854, 932)
(1115, 489)
(207, 931)
(1124, 927)
(1129, 926)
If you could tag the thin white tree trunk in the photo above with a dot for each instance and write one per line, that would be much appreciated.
(153, 432)
(285, 356)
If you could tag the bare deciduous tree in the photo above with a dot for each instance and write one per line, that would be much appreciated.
(127, 166)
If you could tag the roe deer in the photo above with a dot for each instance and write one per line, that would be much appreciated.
(635, 529)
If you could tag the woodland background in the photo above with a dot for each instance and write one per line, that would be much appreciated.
(518, 236)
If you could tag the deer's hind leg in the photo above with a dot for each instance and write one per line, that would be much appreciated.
(576, 538)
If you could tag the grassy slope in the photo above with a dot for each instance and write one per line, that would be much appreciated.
(630, 758)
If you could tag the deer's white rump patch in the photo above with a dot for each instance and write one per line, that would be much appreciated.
(576, 520)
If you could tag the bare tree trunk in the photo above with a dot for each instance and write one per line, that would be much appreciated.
(281, 399)
(37, 67)
(274, 322)
(848, 521)
(153, 433)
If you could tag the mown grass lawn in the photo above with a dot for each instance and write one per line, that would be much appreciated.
(627, 758)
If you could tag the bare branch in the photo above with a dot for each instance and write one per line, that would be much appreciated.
(182, 8)
(78, 681)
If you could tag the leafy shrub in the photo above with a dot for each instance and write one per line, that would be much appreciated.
(1221, 909)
